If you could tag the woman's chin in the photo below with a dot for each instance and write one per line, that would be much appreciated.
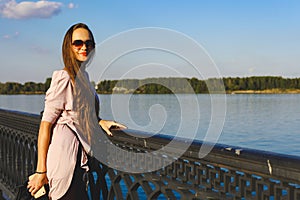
(82, 58)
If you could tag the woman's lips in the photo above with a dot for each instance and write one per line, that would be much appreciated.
(83, 54)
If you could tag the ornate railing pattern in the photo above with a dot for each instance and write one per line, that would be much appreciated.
(225, 173)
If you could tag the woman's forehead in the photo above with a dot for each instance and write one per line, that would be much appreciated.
(81, 34)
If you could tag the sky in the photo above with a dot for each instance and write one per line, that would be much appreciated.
(241, 38)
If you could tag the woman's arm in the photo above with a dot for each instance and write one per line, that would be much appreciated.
(43, 145)
(40, 178)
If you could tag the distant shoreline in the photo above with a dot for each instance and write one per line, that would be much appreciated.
(269, 91)
(26, 93)
(173, 85)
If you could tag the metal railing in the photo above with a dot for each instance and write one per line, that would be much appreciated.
(227, 172)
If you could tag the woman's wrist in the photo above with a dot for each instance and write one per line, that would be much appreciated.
(40, 172)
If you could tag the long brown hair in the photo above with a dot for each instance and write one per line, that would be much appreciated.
(72, 65)
(84, 103)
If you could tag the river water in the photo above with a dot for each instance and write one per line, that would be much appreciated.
(260, 121)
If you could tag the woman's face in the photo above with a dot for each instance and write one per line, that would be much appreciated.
(82, 44)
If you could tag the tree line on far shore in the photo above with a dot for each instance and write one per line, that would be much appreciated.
(194, 85)
(168, 85)
(26, 88)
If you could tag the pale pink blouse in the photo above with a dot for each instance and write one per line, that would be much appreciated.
(62, 153)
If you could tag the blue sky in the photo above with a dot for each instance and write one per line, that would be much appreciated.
(244, 38)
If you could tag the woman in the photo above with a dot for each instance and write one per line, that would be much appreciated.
(63, 140)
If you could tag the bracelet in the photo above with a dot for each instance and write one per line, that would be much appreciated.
(41, 172)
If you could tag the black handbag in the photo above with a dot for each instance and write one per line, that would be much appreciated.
(24, 194)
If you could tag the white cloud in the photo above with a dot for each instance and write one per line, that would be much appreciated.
(71, 5)
(15, 35)
(29, 9)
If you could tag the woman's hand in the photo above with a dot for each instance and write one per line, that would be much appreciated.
(107, 124)
(36, 181)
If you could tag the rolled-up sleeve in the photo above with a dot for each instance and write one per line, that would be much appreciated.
(58, 97)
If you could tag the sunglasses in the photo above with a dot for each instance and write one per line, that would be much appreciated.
(79, 43)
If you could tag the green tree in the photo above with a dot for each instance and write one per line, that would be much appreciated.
(47, 84)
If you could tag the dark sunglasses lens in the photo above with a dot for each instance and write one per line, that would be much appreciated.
(78, 43)
(89, 43)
